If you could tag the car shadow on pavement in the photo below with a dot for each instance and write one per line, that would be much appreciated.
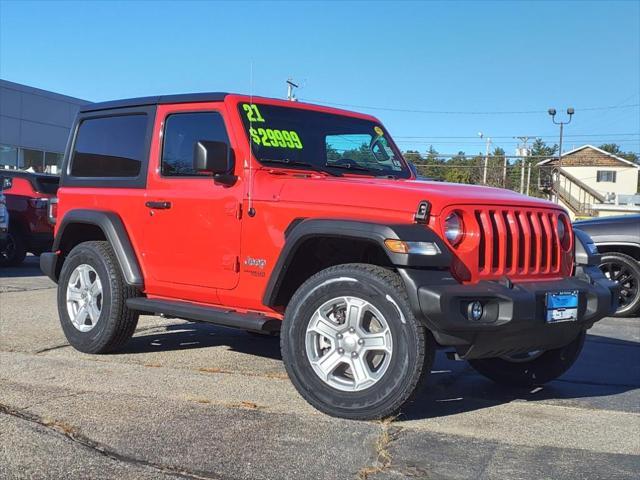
(29, 268)
(606, 367)
(187, 336)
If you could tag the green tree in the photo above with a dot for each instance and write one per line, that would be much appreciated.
(615, 149)
(433, 164)
(495, 167)
(540, 151)
(428, 165)
(458, 170)
(476, 168)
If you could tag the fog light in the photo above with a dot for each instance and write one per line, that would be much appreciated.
(475, 311)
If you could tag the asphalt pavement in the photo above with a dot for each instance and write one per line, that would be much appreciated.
(196, 401)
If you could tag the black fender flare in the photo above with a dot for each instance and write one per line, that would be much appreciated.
(585, 252)
(116, 234)
(301, 230)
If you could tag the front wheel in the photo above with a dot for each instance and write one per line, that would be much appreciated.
(532, 368)
(351, 344)
(625, 271)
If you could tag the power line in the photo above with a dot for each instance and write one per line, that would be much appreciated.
(443, 112)
(533, 136)
(440, 142)
(479, 156)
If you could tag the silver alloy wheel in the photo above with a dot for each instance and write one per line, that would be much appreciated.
(84, 297)
(349, 344)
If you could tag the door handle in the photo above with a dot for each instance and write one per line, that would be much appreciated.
(162, 205)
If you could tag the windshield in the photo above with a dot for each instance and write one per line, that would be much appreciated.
(337, 143)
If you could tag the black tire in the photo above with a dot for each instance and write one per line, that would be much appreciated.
(14, 250)
(626, 271)
(538, 370)
(116, 323)
(413, 346)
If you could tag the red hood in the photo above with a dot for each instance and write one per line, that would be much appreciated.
(388, 194)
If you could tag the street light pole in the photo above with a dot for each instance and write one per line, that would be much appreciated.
(552, 112)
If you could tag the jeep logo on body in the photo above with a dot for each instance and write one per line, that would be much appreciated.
(255, 262)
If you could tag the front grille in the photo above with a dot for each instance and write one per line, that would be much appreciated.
(518, 242)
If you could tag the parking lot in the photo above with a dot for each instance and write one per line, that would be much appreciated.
(187, 400)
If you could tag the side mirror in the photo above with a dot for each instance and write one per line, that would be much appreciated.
(216, 158)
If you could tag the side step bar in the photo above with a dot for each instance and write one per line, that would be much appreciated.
(197, 313)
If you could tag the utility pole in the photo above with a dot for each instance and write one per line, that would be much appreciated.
(486, 158)
(504, 173)
(523, 152)
(290, 86)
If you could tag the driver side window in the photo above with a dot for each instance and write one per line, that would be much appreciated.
(182, 131)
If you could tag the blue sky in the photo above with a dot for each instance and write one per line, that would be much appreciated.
(429, 56)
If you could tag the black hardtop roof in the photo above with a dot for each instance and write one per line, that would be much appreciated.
(155, 100)
(24, 174)
(41, 182)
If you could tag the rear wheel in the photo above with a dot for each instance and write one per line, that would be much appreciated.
(351, 344)
(531, 368)
(92, 299)
(625, 271)
(14, 251)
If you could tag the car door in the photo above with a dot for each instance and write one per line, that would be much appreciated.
(193, 226)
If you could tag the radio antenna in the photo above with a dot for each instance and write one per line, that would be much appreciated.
(250, 210)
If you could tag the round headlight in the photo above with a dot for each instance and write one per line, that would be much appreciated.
(563, 232)
(453, 228)
(561, 229)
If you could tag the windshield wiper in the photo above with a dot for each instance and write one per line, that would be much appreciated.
(296, 163)
(350, 166)
(387, 175)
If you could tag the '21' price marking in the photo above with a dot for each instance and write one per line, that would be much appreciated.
(253, 114)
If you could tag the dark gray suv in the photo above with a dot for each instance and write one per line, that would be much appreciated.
(618, 240)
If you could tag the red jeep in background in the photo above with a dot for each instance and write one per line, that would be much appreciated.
(27, 197)
(272, 216)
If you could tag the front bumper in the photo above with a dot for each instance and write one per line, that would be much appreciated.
(514, 314)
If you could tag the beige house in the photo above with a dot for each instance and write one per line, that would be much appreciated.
(591, 182)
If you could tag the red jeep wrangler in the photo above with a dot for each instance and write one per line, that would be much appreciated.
(28, 196)
(270, 216)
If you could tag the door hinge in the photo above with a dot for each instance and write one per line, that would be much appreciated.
(239, 213)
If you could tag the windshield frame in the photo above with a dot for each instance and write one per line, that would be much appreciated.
(404, 172)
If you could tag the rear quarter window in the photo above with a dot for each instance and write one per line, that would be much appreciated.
(113, 146)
